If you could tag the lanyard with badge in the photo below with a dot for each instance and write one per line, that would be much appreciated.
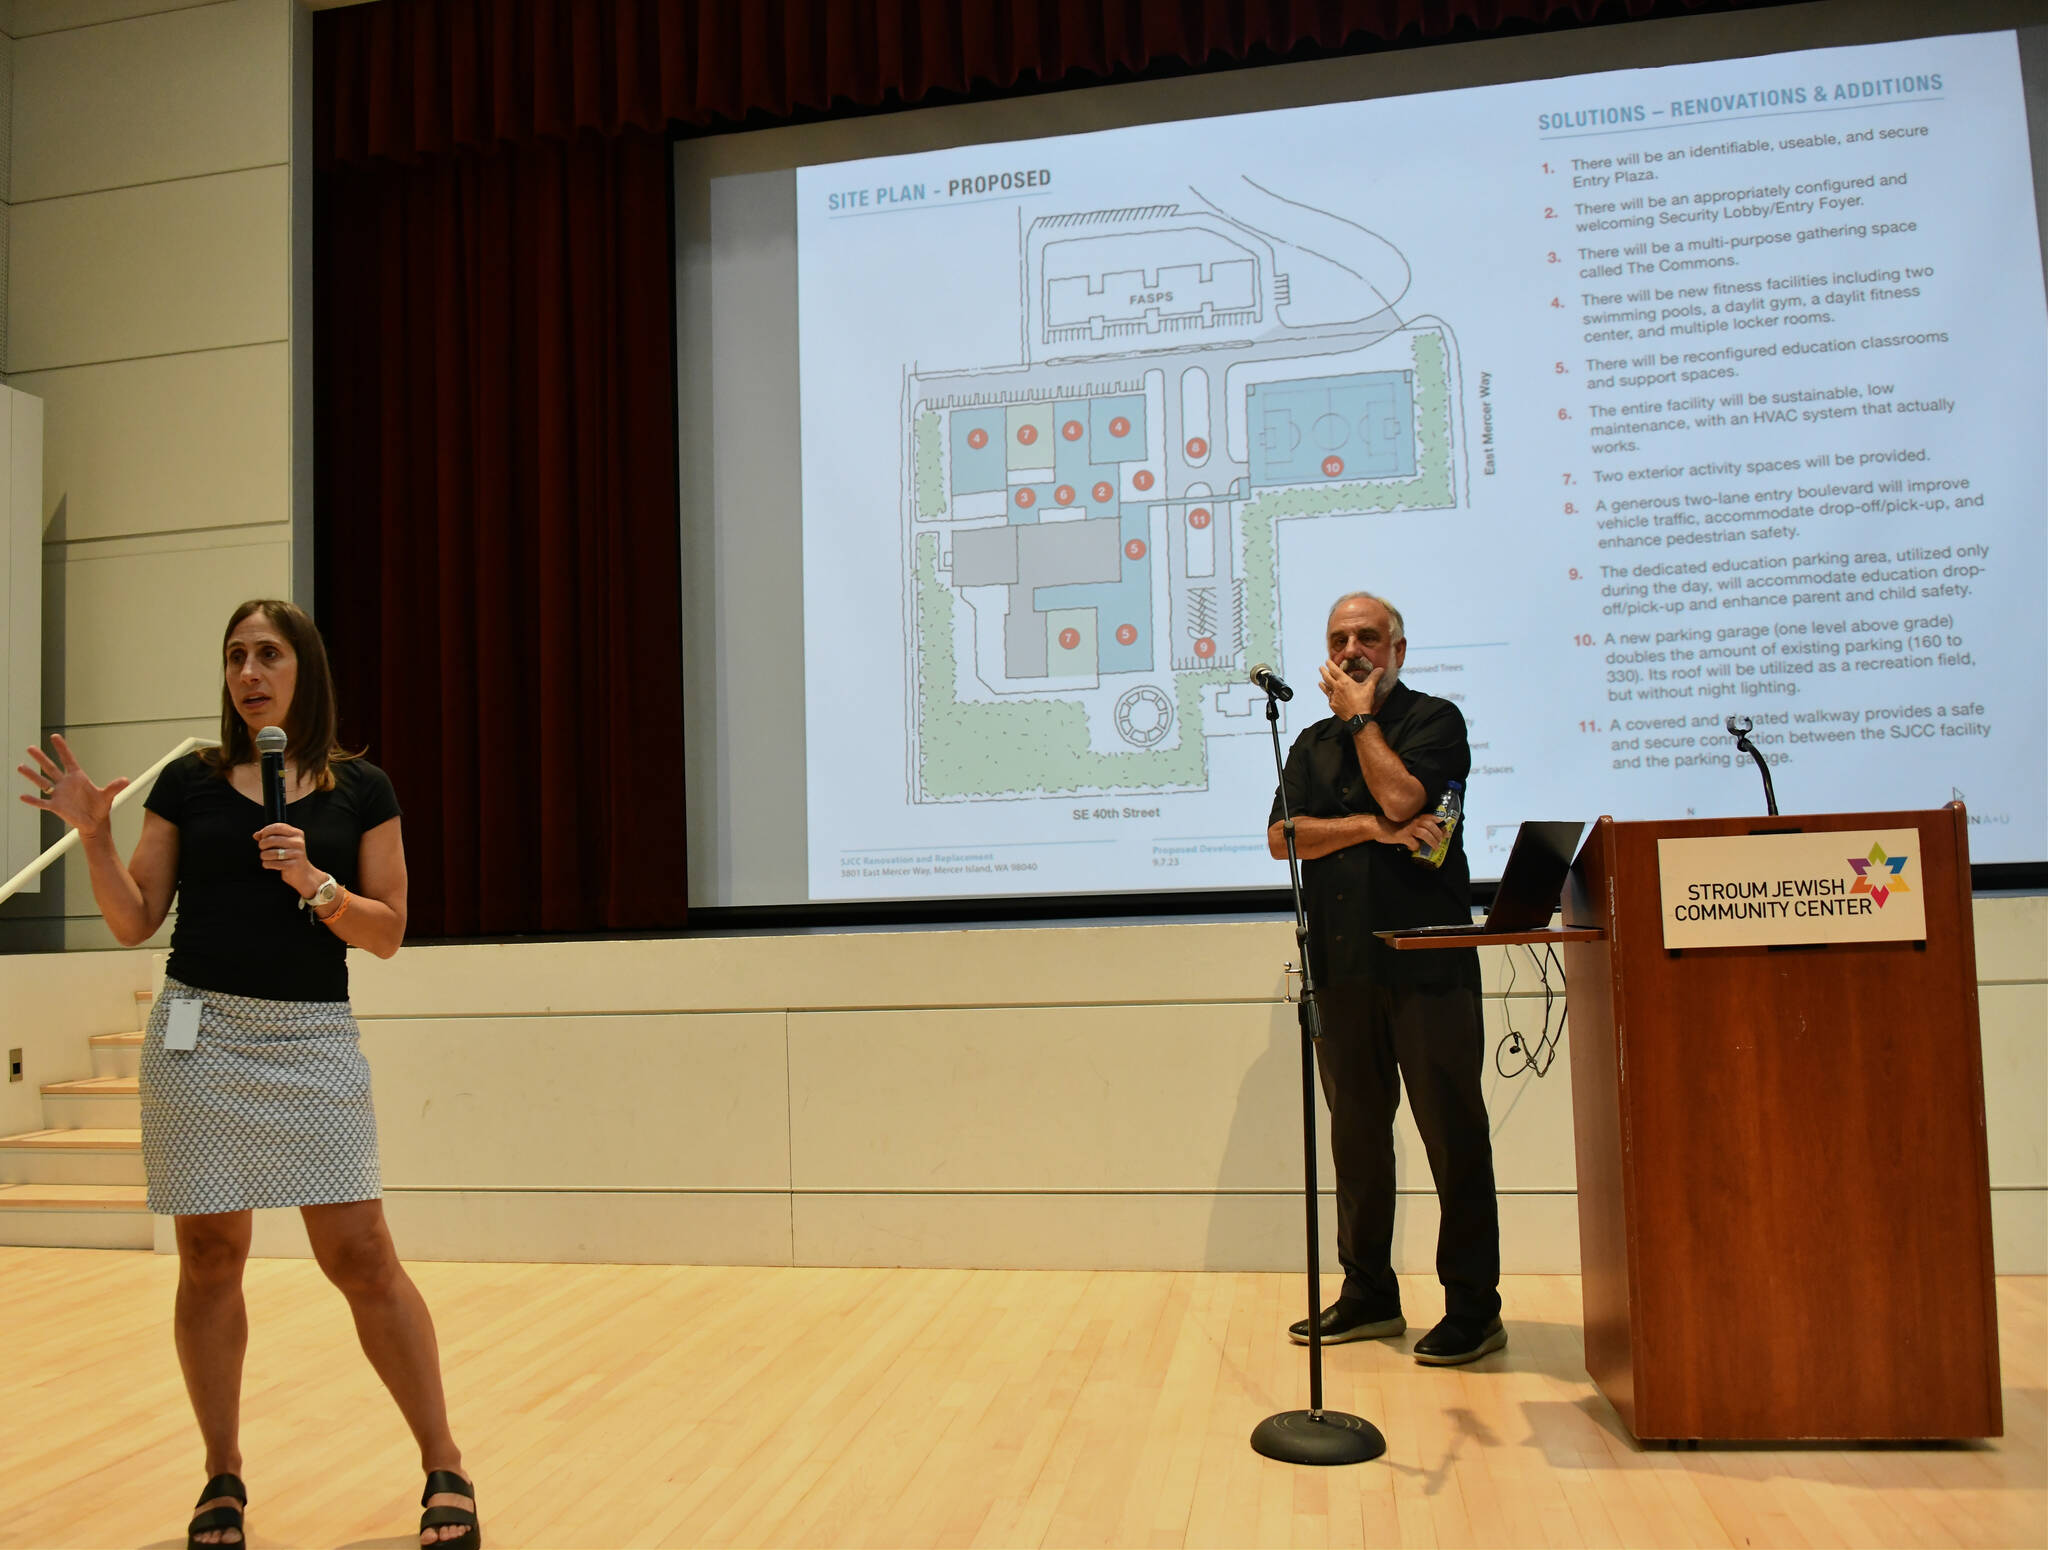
(182, 1031)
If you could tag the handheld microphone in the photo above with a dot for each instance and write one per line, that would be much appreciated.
(270, 746)
(1265, 678)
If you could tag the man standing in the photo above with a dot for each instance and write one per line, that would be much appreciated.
(1362, 786)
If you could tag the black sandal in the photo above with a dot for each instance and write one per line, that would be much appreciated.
(214, 1519)
(445, 1482)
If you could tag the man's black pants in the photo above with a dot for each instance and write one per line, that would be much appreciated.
(1374, 1036)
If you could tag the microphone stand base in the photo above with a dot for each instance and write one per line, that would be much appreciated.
(1306, 1437)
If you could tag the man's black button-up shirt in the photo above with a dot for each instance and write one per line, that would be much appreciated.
(1361, 889)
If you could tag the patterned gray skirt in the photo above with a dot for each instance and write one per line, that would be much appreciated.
(271, 1109)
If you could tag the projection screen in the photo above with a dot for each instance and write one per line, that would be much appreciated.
(1649, 395)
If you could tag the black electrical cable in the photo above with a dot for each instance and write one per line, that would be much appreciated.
(1514, 1044)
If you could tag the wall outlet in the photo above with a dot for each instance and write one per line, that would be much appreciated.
(14, 1065)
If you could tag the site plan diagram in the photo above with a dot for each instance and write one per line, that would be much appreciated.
(1091, 526)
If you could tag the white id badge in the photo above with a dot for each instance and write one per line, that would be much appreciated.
(182, 1031)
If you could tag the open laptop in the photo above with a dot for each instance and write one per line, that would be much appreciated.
(1530, 884)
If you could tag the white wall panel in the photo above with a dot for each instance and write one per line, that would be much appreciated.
(1532, 1115)
(1539, 1233)
(2012, 936)
(556, 1227)
(140, 632)
(595, 1228)
(1154, 1133)
(33, 17)
(170, 95)
(690, 1102)
(2015, 1023)
(1057, 1231)
(6, 267)
(190, 265)
(21, 605)
(169, 442)
(1062, 965)
(1111, 1098)
(2019, 1232)
(6, 120)
(1104, 1098)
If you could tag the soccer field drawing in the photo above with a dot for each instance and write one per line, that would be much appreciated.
(1091, 527)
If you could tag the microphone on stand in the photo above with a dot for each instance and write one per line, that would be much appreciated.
(1739, 728)
(270, 746)
(1265, 678)
(1314, 1435)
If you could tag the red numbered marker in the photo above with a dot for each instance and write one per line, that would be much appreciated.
(1142, 479)
(1197, 448)
(1027, 497)
(1071, 430)
(1119, 426)
(977, 438)
(1069, 639)
(1205, 648)
(1026, 434)
(1333, 465)
(1199, 517)
(1064, 495)
(1103, 490)
(1135, 549)
(1126, 634)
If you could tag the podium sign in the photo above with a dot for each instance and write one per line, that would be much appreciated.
(1784, 1187)
(1783, 890)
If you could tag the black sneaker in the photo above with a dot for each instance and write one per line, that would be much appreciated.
(1350, 1318)
(1458, 1340)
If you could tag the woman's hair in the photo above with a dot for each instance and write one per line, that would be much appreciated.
(311, 723)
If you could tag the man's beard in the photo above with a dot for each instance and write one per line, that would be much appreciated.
(1388, 679)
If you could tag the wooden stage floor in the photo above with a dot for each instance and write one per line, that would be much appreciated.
(637, 1405)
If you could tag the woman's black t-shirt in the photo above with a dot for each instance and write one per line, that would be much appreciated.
(240, 929)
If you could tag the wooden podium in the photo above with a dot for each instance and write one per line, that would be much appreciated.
(1784, 1193)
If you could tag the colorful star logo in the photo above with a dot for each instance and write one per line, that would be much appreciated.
(1879, 875)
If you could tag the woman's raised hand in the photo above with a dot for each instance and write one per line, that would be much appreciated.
(68, 791)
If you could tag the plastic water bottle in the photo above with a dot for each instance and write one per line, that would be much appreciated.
(1449, 810)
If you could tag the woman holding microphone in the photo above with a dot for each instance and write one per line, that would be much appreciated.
(254, 1093)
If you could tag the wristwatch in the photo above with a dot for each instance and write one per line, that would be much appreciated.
(1358, 723)
(322, 896)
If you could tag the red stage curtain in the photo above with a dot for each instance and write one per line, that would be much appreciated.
(408, 78)
(497, 549)
(494, 433)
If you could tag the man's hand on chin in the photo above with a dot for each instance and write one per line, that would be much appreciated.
(1349, 696)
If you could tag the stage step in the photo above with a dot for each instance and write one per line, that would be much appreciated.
(93, 1103)
(116, 1054)
(79, 1183)
(111, 1156)
(82, 1216)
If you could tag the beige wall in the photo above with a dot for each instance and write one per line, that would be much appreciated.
(1112, 1096)
(153, 227)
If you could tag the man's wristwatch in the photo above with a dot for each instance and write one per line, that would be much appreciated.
(1358, 723)
(322, 896)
